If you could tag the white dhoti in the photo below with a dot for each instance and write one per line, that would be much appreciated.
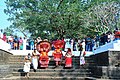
(82, 60)
(35, 63)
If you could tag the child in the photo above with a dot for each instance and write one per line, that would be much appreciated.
(27, 62)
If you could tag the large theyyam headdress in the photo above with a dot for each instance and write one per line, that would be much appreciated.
(58, 44)
(43, 46)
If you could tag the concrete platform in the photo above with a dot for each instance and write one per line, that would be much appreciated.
(114, 46)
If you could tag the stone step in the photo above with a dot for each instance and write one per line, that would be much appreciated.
(22, 57)
(54, 70)
(17, 57)
(50, 64)
(20, 65)
(52, 60)
(48, 78)
(49, 67)
(21, 60)
(49, 56)
(55, 74)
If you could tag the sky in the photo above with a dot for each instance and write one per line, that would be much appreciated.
(4, 23)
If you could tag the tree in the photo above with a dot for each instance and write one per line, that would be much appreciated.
(60, 18)
(104, 17)
(8, 31)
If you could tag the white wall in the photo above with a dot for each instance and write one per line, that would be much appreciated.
(4, 46)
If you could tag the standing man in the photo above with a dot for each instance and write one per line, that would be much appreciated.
(88, 43)
(24, 43)
(1, 34)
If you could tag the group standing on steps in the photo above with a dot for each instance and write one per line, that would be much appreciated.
(42, 59)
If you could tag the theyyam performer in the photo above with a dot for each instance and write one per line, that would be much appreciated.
(57, 53)
(43, 48)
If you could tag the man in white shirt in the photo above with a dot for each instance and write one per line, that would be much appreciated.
(1, 34)
(24, 43)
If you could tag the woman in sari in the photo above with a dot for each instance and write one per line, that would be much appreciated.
(68, 58)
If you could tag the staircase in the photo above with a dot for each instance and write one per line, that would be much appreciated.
(51, 73)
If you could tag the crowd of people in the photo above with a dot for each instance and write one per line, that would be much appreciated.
(90, 43)
(19, 43)
(94, 42)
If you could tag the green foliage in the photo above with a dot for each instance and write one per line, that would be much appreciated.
(8, 31)
(62, 18)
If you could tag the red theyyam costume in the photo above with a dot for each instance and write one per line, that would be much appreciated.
(57, 54)
(43, 48)
(68, 58)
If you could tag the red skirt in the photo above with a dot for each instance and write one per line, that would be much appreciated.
(57, 55)
(68, 62)
(57, 59)
(44, 60)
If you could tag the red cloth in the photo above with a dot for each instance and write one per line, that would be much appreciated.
(44, 61)
(43, 58)
(57, 55)
(4, 38)
(117, 34)
(68, 61)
